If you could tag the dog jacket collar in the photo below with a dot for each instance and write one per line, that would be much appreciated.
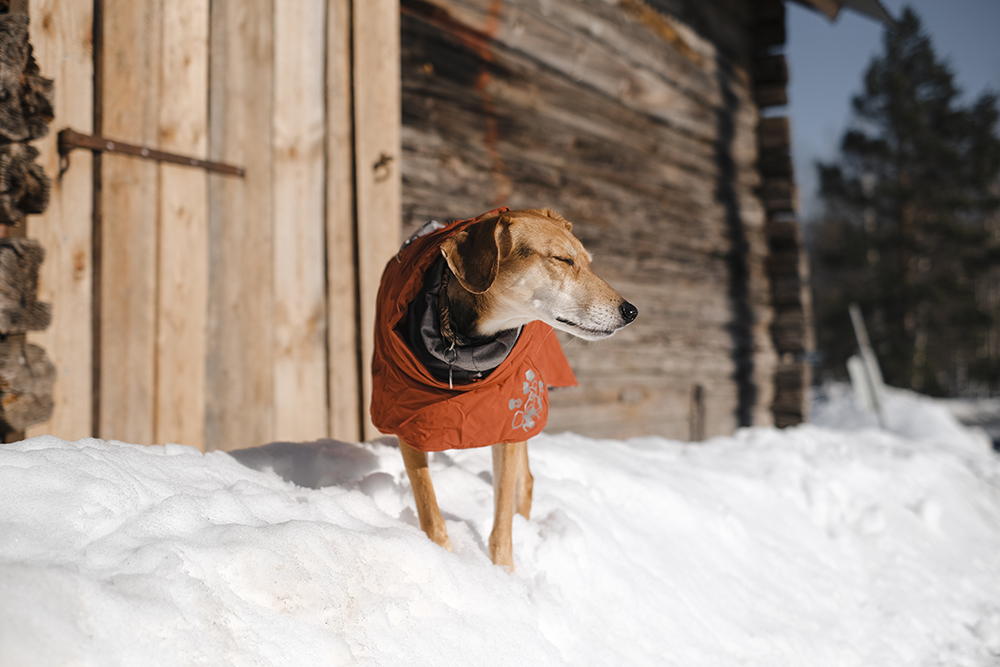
(510, 404)
(449, 361)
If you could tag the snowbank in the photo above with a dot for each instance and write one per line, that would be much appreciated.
(810, 546)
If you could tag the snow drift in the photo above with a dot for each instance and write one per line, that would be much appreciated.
(832, 544)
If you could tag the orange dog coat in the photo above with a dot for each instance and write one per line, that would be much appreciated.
(509, 405)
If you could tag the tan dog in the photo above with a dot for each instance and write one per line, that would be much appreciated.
(524, 266)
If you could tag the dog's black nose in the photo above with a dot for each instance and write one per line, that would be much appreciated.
(628, 311)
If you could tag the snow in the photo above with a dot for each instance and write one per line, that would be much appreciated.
(834, 543)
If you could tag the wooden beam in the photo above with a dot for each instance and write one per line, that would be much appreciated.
(61, 37)
(377, 160)
(130, 206)
(182, 230)
(344, 356)
(300, 319)
(240, 372)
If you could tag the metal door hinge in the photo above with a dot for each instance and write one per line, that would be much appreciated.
(70, 139)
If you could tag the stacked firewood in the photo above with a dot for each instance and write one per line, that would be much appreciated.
(26, 374)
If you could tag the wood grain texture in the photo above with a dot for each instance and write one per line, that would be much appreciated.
(130, 207)
(300, 319)
(182, 227)
(377, 161)
(596, 112)
(344, 359)
(240, 371)
(61, 37)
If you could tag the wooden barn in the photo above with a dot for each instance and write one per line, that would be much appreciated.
(228, 178)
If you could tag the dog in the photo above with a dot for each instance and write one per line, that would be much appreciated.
(465, 350)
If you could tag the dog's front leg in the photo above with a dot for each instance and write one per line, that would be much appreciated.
(506, 462)
(525, 482)
(431, 521)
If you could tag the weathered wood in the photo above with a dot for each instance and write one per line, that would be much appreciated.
(764, 11)
(182, 242)
(25, 96)
(24, 187)
(775, 162)
(299, 319)
(20, 310)
(788, 329)
(774, 133)
(344, 359)
(61, 35)
(240, 373)
(514, 105)
(377, 159)
(770, 95)
(768, 34)
(770, 69)
(780, 195)
(26, 379)
(130, 206)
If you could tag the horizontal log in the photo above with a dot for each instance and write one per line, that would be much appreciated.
(26, 380)
(770, 69)
(779, 195)
(767, 34)
(20, 310)
(785, 262)
(770, 95)
(783, 230)
(775, 162)
(765, 11)
(774, 132)
(788, 292)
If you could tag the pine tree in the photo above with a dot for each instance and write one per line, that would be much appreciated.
(910, 229)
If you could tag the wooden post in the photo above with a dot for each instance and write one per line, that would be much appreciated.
(377, 119)
(61, 35)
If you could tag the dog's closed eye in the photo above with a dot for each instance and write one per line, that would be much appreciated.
(564, 260)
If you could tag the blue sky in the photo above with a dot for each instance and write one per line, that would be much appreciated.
(827, 60)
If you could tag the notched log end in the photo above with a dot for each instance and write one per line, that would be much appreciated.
(26, 380)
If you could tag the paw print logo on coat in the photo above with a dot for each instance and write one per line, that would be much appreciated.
(527, 409)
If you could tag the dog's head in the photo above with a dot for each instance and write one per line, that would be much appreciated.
(527, 265)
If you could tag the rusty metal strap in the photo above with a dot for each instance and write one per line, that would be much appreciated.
(70, 139)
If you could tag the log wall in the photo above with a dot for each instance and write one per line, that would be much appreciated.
(638, 123)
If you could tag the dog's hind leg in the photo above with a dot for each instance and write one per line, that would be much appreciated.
(525, 482)
(431, 521)
(506, 462)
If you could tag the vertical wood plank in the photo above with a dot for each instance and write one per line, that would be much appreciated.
(61, 37)
(239, 375)
(300, 381)
(131, 99)
(182, 266)
(377, 161)
(344, 362)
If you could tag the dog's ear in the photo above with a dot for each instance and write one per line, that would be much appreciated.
(549, 213)
(474, 254)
